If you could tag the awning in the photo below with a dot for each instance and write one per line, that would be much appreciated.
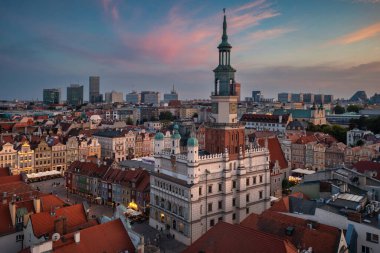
(303, 171)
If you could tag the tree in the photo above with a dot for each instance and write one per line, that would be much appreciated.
(360, 143)
(354, 108)
(166, 115)
(129, 121)
(339, 109)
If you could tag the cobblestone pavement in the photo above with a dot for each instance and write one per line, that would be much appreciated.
(166, 244)
(60, 191)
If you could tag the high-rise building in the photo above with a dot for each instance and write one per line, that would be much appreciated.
(75, 94)
(94, 90)
(114, 97)
(133, 98)
(150, 97)
(191, 190)
(284, 97)
(308, 98)
(173, 95)
(296, 97)
(51, 96)
(256, 96)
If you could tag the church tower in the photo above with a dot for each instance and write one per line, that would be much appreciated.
(224, 131)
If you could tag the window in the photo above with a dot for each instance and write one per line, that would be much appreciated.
(234, 216)
(233, 202)
(200, 209)
(220, 218)
(212, 223)
(260, 194)
(200, 191)
(366, 249)
(220, 187)
(247, 198)
(372, 238)
(233, 184)
(247, 181)
(254, 180)
(220, 204)
(19, 238)
(210, 189)
(247, 210)
(261, 178)
(210, 207)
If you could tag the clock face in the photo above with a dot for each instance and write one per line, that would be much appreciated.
(233, 108)
(214, 108)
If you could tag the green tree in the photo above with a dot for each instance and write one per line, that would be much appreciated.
(354, 108)
(166, 115)
(338, 109)
(129, 121)
(360, 143)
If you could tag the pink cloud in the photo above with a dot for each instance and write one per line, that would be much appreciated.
(359, 35)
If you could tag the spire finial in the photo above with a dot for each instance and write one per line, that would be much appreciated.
(224, 36)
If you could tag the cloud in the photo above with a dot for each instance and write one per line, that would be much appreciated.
(184, 39)
(359, 35)
(110, 7)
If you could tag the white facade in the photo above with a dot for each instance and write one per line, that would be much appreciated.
(191, 193)
(354, 135)
(8, 156)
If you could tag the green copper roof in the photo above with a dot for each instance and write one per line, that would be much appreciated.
(192, 142)
(224, 42)
(159, 136)
(176, 135)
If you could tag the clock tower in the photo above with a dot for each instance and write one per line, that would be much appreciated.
(224, 132)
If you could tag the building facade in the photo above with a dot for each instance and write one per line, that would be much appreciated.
(75, 94)
(51, 96)
(94, 90)
(191, 192)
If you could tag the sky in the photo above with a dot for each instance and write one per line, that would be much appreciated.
(321, 46)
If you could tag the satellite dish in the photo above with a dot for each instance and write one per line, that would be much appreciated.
(55, 237)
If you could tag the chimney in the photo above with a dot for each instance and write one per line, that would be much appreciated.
(5, 195)
(280, 119)
(266, 142)
(140, 246)
(37, 204)
(77, 237)
(12, 211)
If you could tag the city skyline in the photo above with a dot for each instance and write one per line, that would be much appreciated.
(148, 47)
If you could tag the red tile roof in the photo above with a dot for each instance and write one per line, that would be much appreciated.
(43, 223)
(50, 201)
(275, 152)
(107, 237)
(363, 166)
(4, 172)
(225, 237)
(303, 237)
(6, 226)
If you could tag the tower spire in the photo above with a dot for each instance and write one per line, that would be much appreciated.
(224, 36)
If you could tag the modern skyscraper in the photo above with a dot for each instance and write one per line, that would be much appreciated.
(51, 96)
(114, 97)
(94, 90)
(133, 98)
(75, 94)
(256, 96)
(173, 95)
(150, 97)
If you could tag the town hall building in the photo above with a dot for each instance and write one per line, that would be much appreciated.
(193, 190)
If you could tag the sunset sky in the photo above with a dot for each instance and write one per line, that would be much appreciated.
(322, 46)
